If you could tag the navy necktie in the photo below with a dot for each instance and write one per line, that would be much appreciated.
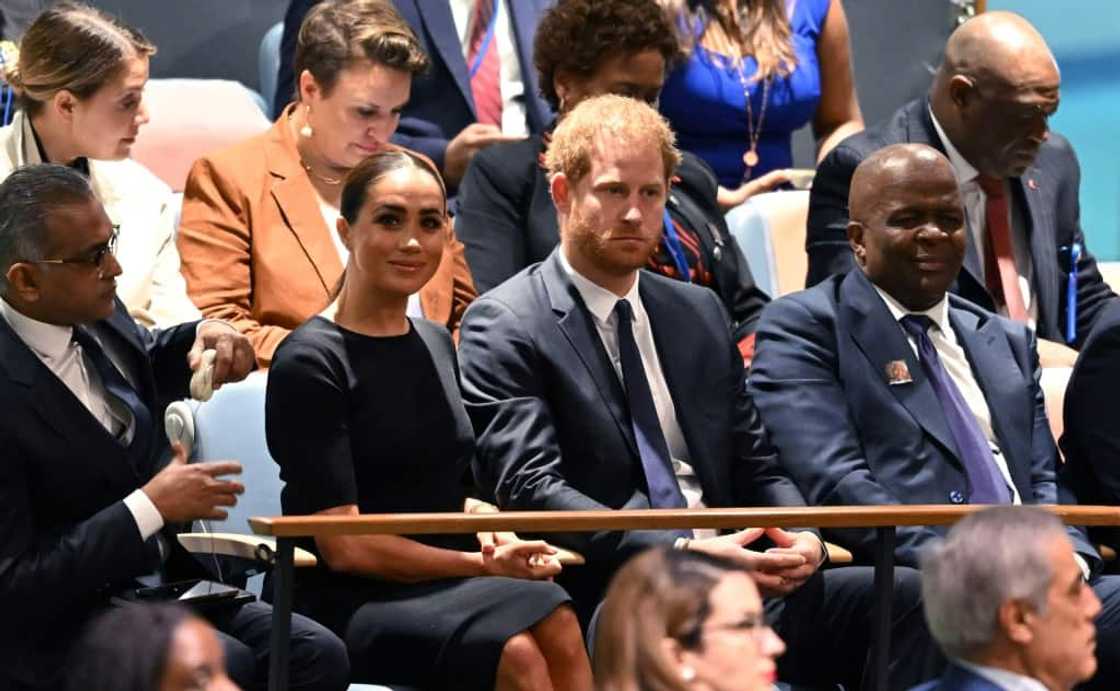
(664, 490)
(988, 485)
(115, 384)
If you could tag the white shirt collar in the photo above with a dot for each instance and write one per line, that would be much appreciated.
(965, 171)
(598, 299)
(939, 313)
(48, 341)
(1005, 679)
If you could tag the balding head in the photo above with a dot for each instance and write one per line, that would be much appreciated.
(996, 87)
(907, 223)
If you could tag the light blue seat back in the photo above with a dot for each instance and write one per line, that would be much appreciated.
(268, 63)
(230, 426)
(750, 229)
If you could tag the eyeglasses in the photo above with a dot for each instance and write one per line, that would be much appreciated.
(753, 625)
(95, 258)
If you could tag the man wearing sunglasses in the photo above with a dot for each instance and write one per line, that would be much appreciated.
(87, 513)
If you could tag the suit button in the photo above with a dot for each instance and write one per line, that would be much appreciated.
(956, 497)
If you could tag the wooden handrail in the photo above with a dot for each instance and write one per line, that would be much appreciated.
(651, 519)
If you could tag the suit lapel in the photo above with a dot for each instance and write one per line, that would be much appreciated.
(575, 321)
(1026, 192)
(58, 408)
(992, 363)
(299, 204)
(440, 24)
(882, 341)
(676, 355)
(523, 18)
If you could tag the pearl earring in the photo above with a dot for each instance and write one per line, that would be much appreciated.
(688, 674)
(306, 130)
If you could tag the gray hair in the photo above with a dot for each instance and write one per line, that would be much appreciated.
(990, 557)
(27, 197)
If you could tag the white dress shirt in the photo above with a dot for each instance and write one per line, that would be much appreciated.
(975, 207)
(600, 302)
(513, 88)
(55, 348)
(1006, 680)
(955, 362)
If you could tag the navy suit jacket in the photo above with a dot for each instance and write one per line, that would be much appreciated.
(1048, 193)
(550, 414)
(441, 105)
(1091, 438)
(957, 678)
(849, 438)
(67, 541)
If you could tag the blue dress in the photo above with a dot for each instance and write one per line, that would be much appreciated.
(703, 101)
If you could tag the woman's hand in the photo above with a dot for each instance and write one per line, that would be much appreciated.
(530, 559)
(729, 199)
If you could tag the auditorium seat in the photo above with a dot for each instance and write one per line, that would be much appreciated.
(190, 118)
(770, 229)
(268, 64)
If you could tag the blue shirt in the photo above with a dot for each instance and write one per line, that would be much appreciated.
(703, 101)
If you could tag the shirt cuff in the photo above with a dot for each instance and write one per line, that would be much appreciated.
(148, 519)
(1083, 565)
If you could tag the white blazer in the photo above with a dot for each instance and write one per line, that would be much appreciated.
(144, 207)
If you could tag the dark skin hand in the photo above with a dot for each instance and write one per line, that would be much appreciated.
(234, 358)
(185, 492)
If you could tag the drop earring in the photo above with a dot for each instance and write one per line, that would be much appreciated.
(306, 130)
(688, 674)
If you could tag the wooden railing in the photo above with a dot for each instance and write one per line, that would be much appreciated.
(884, 519)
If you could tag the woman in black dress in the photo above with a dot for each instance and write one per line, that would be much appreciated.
(364, 416)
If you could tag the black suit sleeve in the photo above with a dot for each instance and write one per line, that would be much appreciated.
(804, 408)
(491, 221)
(826, 239)
(518, 456)
(167, 352)
(45, 575)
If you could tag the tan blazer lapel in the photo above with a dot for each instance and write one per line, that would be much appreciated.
(299, 204)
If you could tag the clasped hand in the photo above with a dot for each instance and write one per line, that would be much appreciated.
(779, 570)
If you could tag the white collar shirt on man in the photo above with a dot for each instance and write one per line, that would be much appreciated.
(1006, 680)
(514, 119)
(600, 302)
(955, 361)
(975, 207)
(53, 345)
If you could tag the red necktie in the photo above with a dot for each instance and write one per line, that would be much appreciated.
(1000, 274)
(482, 60)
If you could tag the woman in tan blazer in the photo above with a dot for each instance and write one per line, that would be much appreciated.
(257, 236)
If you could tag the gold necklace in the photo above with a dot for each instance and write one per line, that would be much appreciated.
(754, 132)
(321, 178)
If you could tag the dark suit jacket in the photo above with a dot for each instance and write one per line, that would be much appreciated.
(957, 678)
(441, 104)
(507, 221)
(67, 541)
(1048, 193)
(1091, 440)
(550, 415)
(848, 438)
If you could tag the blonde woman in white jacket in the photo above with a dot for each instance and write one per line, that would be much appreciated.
(80, 77)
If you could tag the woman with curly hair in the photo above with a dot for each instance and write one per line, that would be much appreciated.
(506, 218)
(754, 72)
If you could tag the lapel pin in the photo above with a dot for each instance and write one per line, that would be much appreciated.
(898, 373)
(1032, 184)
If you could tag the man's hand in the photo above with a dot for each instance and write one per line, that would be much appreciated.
(472, 139)
(803, 544)
(1054, 354)
(185, 492)
(234, 358)
(771, 570)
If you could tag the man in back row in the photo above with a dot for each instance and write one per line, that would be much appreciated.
(594, 385)
(988, 110)
(878, 387)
